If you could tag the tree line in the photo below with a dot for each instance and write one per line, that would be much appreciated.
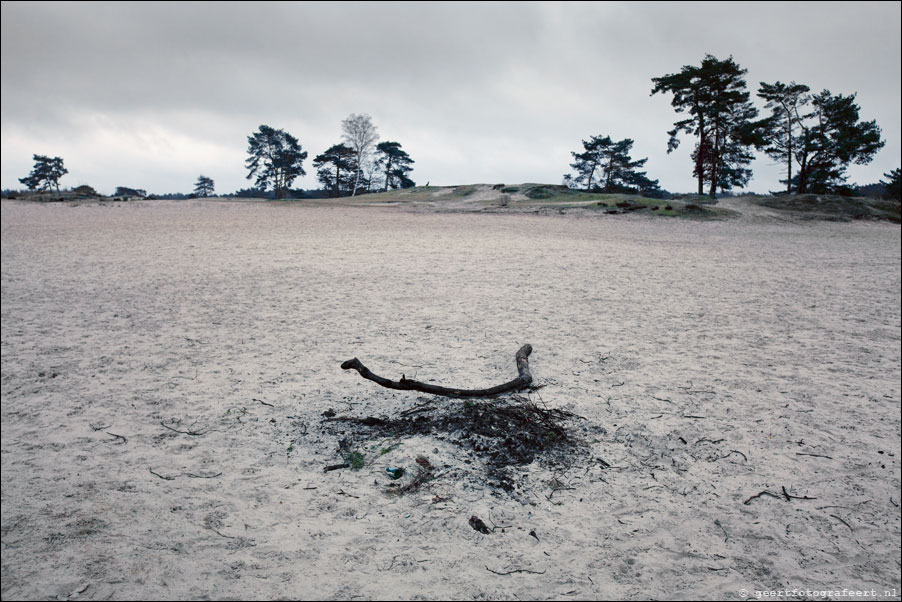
(356, 165)
(814, 136)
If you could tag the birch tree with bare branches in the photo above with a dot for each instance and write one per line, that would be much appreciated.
(360, 134)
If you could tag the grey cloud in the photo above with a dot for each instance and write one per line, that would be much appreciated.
(489, 88)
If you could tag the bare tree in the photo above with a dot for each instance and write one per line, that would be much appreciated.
(360, 134)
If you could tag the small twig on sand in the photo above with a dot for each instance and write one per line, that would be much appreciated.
(843, 522)
(419, 408)
(796, 497)
(118, 438)
(732, 451)
(220, 534)
(725, 536)
(165, 478)
(264, 403)
(711, 441)
(202, 476)
(515, 571)
(99, 427)
(770, 493)
(815, 455)
(193, 433)
(336, 467)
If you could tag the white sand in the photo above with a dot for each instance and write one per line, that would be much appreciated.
(721, 358)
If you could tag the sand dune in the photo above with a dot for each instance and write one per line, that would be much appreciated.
(165, 367)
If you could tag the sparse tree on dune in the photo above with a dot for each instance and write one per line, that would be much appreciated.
(606, 166)
(721, 117)
(821, 142)
(275, 158)
(395, 164)
(45, 174)
(832, 138)
(204, 186)
(360, 134)
(336, 169)
(786, 103)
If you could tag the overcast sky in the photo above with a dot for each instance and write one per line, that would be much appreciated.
(150, 95)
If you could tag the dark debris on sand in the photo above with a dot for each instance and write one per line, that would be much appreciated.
(503, 433)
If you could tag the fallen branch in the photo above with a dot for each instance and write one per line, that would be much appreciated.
(843, 522)
(790, 497)
(165, 478)
(515, 571)
(770, 493)
(119, 439)
(405, 384)
(732, 451)
(202, 476)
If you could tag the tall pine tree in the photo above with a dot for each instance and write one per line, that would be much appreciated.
(832, 138)
(276, 158)
(395, 164)
(336, 169)
(786, 103)
(721, 117)
(820, 134)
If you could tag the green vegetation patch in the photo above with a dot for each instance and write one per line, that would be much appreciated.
(834, 207)
(465, 191)
(542, 192)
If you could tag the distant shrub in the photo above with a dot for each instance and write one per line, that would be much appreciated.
(85, 190)
(540, 192)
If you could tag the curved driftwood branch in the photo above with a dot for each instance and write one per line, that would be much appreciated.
(406, 384)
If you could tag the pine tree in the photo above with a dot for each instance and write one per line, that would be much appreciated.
(45, 174)
(395, 164)
(721, 117)
(832, 138)
(611, 164)
(276, 158)
(894, 186)
(786, 104)
(204, 186)
(336, 169)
